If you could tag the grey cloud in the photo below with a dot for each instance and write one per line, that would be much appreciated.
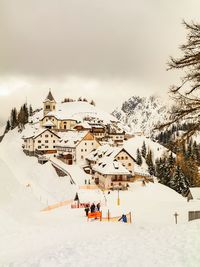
(116, 47)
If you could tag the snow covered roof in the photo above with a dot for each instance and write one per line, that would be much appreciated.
(139, 170)
(104, 151)
(49, 124)
(83, 124)
(71, 138)
(195, 192)
(110, 166)
(79, 110)
(33, 133)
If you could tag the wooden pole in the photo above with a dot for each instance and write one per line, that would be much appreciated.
(130, 217)
(176, 217)
(108, 215)
(118, 199)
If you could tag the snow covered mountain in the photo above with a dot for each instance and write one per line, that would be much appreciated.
(142, 114)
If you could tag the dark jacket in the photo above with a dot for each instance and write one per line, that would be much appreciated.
(123, 218)
(92, 208)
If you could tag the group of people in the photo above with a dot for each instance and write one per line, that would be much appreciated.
(93, 208)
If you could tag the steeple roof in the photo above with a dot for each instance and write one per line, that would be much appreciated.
(50, 96)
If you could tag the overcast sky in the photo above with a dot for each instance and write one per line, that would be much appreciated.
(107, 50)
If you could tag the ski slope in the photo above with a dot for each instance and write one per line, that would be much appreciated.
(63, 237)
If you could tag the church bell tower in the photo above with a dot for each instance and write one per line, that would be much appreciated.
(49, 104)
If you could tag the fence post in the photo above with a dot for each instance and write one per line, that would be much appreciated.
(130, 217)
(108, 215)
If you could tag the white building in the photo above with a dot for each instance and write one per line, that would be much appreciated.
(111, 174)
(74, 146)
(54, 117)
(41, 141)
(110, 154)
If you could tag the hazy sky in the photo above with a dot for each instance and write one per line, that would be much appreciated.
(107, 50)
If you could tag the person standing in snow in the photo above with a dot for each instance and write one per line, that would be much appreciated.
(87, 209)
(92, 208)
(123, 218)
(98, 207)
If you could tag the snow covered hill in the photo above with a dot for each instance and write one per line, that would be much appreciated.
(142, 114)
(136, 142)
(41, 180)
(78, 110)
(64, 237)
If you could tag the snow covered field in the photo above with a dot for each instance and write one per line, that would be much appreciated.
(63, 237)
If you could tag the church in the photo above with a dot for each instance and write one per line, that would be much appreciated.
(56, 118)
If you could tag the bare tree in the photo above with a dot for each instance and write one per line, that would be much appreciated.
(187, 93)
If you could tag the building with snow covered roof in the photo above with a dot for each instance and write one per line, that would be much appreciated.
(115, 133)
(108, 153)
(74, 146)
(41, 141)
(82, 126)
(111, 174)
(194, 193)
(58, 123)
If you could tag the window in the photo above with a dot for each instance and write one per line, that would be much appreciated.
(39, 147)
(126, 157)
(46, 135)
(81, 157)
(54, 146)
(118, 158)
(54, 141)
(85, 150)
(92, 143)
(46, 147)
(81, 150)
(122, 158)
(47, 106)
(39, 141)
(52, 135)
(85, 144)
(53, 107)
(129, 164)
(46, 141)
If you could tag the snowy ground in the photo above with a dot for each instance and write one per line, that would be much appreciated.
(63, 237)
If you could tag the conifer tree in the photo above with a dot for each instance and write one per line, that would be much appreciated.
(144, 150)
(179, 181)
(13, 118)
(7, 126)
(149, 162)
(30, 111)
(139, 158)
(92, 103)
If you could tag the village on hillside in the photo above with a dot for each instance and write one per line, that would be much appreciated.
(97, 144)
(92, 150)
